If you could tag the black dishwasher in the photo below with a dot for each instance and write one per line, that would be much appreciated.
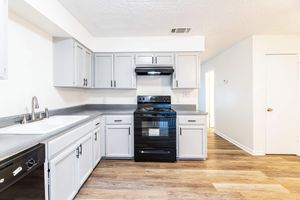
(22, 175)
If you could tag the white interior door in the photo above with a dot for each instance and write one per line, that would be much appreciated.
(282, 104)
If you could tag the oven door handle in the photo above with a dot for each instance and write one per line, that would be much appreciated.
(154, 152)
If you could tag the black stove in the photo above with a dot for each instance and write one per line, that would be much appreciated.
(154, 129)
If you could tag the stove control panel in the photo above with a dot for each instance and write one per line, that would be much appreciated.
(154, 99)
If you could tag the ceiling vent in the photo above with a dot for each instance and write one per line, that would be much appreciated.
(180, 30)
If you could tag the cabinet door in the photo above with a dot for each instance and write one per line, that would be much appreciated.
(103, 70)
(144, 59)
(80, 64)
(85, 165)
(186, 71)
(3, 38)
(63, 175)
(124, 75)
(102, 138)
(164, 59)
(118, 141)
(88, 68)
(191, 142)
(96, 146)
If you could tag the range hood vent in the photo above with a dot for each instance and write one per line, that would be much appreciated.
(154, 71)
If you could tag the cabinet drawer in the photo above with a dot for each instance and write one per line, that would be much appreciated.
(192, 120)
(97, 122)
(58, 144)
(118, 119)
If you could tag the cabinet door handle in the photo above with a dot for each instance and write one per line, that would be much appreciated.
(96, 136)
(115, 83)
(80, 149)
(86, 83)
(155, 60)
(77, 152)
(129, 131)
(191, 120)
(118, 120)
(180, 131)
(152, 60)
(176, 83)
(111, 83)
(97, 123)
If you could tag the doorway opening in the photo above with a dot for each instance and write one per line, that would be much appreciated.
(210, 98)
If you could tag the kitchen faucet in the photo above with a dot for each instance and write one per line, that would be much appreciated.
(34, 105)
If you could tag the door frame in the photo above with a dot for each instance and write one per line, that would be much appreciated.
(266, 96)
(210, 102)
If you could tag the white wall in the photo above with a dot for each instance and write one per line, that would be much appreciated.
(146, 85)
(30, 72)
(140, 44)
(267, 44)
(243, 100)
(234, 100)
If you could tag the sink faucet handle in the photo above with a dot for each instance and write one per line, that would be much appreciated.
(46, 113)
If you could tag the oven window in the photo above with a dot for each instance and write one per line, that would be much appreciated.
(155, 128)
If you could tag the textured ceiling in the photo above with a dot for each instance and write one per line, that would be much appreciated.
(222, 22)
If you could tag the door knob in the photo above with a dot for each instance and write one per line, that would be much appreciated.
(269, 109)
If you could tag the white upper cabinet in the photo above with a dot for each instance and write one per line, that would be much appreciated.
(124, 75)
(187, 71)
(144, 59)
(3, 38)
(164, 59)
(104, 70)
(79, 62)
(115, 71)
(72, 64)
(88, 68)
(160, 59)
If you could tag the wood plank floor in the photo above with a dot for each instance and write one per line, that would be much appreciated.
(228, 173)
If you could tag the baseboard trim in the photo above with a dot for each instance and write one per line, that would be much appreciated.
(241, 146)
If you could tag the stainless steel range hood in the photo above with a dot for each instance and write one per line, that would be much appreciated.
(154, 70)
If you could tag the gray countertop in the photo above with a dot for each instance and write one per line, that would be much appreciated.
(12, 144)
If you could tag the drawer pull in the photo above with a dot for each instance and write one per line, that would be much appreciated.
(118, 120)
(192, 120)
(97, 123)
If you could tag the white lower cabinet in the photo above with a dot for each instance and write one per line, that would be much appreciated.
(63, 175)
(192, 137)
(96, 146)
(85, 164)
(191, 142)
(70, 168)
(118, 141)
